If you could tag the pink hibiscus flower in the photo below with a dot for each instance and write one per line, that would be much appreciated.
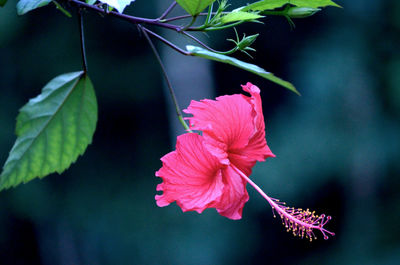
(211, 170)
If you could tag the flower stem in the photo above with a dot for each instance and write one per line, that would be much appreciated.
(82, 40)
(170, 88)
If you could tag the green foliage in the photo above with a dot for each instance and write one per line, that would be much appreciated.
(52, 129)
(56, 127)
(239, 16)
(194, 7)
(200, 52)
(265, 5)
(313, 3)
(243, 44)
(272, 4)
(301, 12)
(24, 6)
(117, 4)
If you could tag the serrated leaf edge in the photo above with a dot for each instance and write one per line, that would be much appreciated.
(2, 187)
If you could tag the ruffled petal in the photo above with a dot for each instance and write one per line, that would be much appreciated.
(257, 149)
(233, 127)
(228, 120)
(234, 195)
(255, 101)
(191, 176)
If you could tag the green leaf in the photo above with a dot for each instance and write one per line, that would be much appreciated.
(24, 6)
(313, 3)
(300, 12)
(272, 4)
(200, 52)
(3, 2)
(118, 4)
(194, 7)
(265, 5)
(239, 16)
(52, 129)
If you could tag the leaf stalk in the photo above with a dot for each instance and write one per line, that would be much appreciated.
(82, 40)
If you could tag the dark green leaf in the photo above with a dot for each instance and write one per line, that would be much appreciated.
(197, 51)
(272, 4)
(53, 129)
(3, 2)
(24, 6)
(194, 7)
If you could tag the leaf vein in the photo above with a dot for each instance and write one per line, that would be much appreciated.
(47, 123)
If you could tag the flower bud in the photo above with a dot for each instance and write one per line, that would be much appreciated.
(246, 42)
(301, 12)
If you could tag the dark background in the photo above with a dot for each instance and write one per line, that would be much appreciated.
(337, 146)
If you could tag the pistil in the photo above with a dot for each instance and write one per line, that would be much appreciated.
(301, 222)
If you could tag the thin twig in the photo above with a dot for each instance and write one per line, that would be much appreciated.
(189, 16)
(201, 28)
(234, 49)
(199, 41)
(170, 44)
(82, 39)
(167, 11)
(181, 17)
(171, 90)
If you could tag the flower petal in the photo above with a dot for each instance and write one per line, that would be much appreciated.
(255, 100)
(234, 124)
(191, 176)
(228, 119)
(234, 195)
(257, 148)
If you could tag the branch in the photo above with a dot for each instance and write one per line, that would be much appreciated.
(132, 19)
(167, 11)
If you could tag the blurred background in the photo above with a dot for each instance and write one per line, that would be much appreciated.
(337, 146)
